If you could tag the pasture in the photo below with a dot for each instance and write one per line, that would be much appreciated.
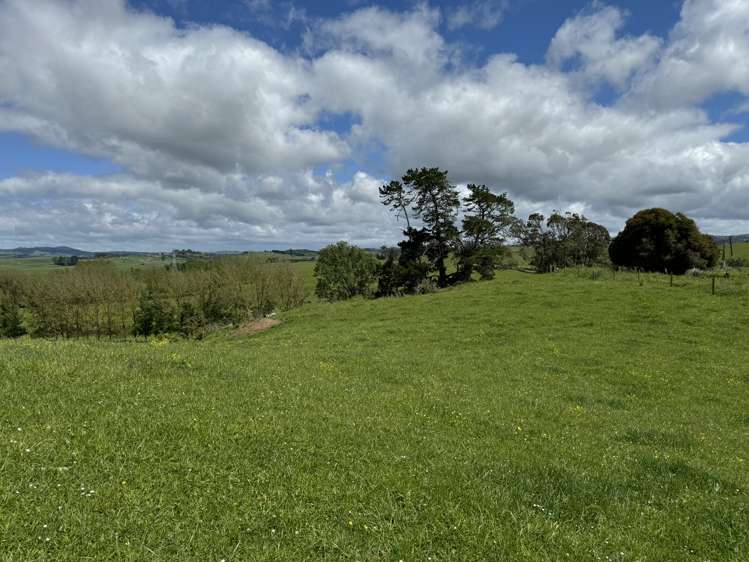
(534, 417)
(43, 264)
(740, 250)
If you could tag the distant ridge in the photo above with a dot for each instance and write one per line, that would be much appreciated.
(46, 251)
(735, 238)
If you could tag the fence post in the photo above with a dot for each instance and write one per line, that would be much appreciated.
(672, 280)
(713, 286)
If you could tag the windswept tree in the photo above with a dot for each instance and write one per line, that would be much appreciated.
(488, 223)
(395, 196)
(427, 195)
(659, 240)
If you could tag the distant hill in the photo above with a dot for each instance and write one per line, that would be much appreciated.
(736, 238)
(46, 251)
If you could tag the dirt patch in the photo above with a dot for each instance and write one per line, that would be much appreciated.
(256, 326)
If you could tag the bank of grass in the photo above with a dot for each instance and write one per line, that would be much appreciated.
(528, 418)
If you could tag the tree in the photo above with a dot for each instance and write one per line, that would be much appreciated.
(65, 260)
(436, 203)
(564, 240)
(659, 240)
(413, 265)
(155, 314)
(11, 325)
(398, 199)
(430, 197)
(488, 223)
(388, 281)
(542, 241)
(344, 271)
(190, 318)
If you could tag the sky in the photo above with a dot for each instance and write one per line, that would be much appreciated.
(261, 124)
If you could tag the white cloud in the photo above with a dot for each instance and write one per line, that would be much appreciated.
(136, 89)
(127, 212)
(409, 38)
(592, 39)
(217, 133)
(708, 53)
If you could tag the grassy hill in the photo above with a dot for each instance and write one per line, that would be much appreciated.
(45, 251)
(528, 418)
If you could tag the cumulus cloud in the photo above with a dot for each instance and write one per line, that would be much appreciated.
(132, 87)
(123, 211)
(708, 53)
(220, 142)
(408, 38)
(591, 40)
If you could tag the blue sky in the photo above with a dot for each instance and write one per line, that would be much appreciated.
(276, 127)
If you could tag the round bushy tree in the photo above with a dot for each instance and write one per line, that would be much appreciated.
(344, 271)
(659, 240)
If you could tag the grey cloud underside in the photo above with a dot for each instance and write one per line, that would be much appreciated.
(218, 134)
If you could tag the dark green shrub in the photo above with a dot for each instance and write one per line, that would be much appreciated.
(388, 281)
(737, 262)
(155, 314)
(11, 324)
(660, 241)
(191, 321)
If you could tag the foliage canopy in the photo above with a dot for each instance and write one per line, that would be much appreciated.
(344, 271)
(659, 240)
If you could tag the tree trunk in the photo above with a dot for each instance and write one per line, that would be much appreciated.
(442, 272)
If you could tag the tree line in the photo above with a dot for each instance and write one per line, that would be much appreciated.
(65, 260)
(97, 299)
(434, 238)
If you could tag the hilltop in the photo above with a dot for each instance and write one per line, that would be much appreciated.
(736, 238)
(51, 251)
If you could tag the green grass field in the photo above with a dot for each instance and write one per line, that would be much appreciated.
(32, 264)
(44, 263)
(740, 250)
(528, 418)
